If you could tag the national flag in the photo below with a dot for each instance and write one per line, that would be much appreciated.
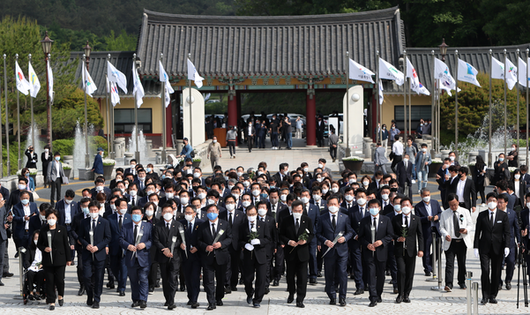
(497, 69)
(467, 73)
(359, 72)
(168, 89)
(138, 90)
(112, 89)
(389, 72)
(511, 74)
(441, 72)
(22, 84)
(381, 96)
(50, 81)
(34, 83)
(521, 74)
(116, 76)
(207, 97)
(88, 84)
(194, 75)
(415, 84)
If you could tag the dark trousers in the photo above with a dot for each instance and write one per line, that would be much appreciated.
(232, 147)
(169, 272)
(297, 269)
(335, 268)
(252, 267)
(3, 251)
(333, 152)
(153, 273)
(211, 271)
(54, 279)
(457, 248)
(139, 282)
(427, 255)
(490, 264)
(391, 264)
(56, 190)
(405, 273)
(94, 271)
(5, 264)
(274, 139)
(510, 265)
(320, 139)
(119, 270)
(80, 272)
(250, 142)
(376, 276)
(37, 279)
(192, 269)
(313, 259)
(395, 161)
(279, 264)
(357, 264)
(232, 272)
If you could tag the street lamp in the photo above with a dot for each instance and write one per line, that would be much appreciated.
(443, 49)
(87, 50)
(46, 49)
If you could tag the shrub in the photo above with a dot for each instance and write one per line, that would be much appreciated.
(64, 146)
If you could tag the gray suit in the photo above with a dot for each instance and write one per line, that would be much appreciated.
(55, 178)
(3, 239)
(380, 159)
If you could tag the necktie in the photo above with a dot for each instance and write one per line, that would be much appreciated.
(133, 203)
(406, 221)
(375, 224)
(491, 218)
(135, 232)
(230, 218)
(333, 222)
(167, 226)
(190, 227)
(213, 230)
(251, 226)
(296, 226)
(362, 211)
(94, 225)
(121, 222)
(456, 225)
(273, 208)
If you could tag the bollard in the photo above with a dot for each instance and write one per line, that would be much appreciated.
(434, 259)
(475, 298)
(21, 250)
(469, 274)
(439, 254)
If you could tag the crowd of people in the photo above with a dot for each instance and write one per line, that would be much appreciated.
(251, 228)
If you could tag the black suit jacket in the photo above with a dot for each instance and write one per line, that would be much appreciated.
(287, 233)
(238, 220)
(60, 246)
(61, 205)
(404, 175)
(191, 239)
(470, 195)
(162, 238)
(414, 233)
(260, 250)
(102, 237)
(488, 237)
(384, 233)
(205, 238)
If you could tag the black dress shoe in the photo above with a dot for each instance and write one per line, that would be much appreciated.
(195, 305)
(275, 283)
(95, 305)
(52, 307)
(81, 291)
(342, 302)
(290, 299)
(182, 288)
(463, 286)
(135, 304)
(211, 307)
(396, 291)
(358, 292)
(234, 288)
(61, 302)
(372, 304)
(122, 293)
(332, 302)
(300, 304)
(171, 307)
(249, 300)
(110, 285)
(406, 299)
(219, 303)
(157, 284)
(493, 300)
(7, 275)
(484, 301)
(313, 281)
(508, 286)
(267, 290)
(167, 304)
(143, 304)
(256, 305)
(1, 284)
(151, 289)
(427, 273)
(319, 274)
(399, 299)
(228, 290)
(379, 300)
(89, 302)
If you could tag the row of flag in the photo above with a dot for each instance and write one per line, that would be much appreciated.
(32, 86)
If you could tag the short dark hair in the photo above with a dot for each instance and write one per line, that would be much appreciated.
(452, 196)
(492, 194)
(138, 208)
(69, 193)
(374, 201)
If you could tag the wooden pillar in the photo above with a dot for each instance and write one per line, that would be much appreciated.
(233, 114)
(311, 109)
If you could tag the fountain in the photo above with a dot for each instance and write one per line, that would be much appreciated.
(80, 148)
(37, 146)
(142, 146)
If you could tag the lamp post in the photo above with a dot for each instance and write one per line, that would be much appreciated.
(87, 50)
(47, 48)
(443, 49)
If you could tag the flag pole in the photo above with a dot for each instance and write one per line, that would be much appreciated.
(517, 88)
(505, 106)
(49, 103)
(379, 103)
(8, 172)
(490, 157)
(438, 105)
(136, 152)
(18, 122)
(108, 109)
(456, 104)
(526, 79)
(347, 113)
(31, 104)
(404, 96)
(163, 97)
(1, 147)
(85, 127)
(433, 107)
(191, 111)
(410, 106)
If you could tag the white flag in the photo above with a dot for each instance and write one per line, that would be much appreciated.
(415, 84)
(359, 72)
(168, 89)
(521, 73)
(34, 82)
(138, 90)
(511, 74)
(467, 73)
(194, 75)
(112, 89)
(22, 84)
(381, 96)
(497, 69)
(50, 81)
(116, 76)
(388, 71)
(441, 72)
(88, 83)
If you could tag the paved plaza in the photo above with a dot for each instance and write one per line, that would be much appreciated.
(424, 300)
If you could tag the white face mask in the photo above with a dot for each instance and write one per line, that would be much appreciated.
(397, 208)
(246, 183)
(334, 190)
(113, 207)
(170, 195)
(184, 200)
(201, 195)
(348, 197)
(366, 183)
(262, 212)
(283, 197)
(21, 187)
(149, 213)
(133, 193)
(42, 218)
(320, 165)
(94, 215)
(246, 203)
(68, 201)
(492, 205)
(427, 199)
(405, 160)
(304, 200)
(230, 206)
(214, 141)
(52, 222)
(352, 180)
(252, 218)
(189, 217)
(333, 209)
(168, 216)
(324, 191)
(424, 149)
(385, 197)
(317, 197)
(196, 175)
(255, 193)
(99, 188)
(211, 201)
(452, 158)
(517, 176)
(406, 210)
(123, 211)
(361, 201)
(102, 205)
(35, 241)
(297, 215)
(306, 169)
(239, 174)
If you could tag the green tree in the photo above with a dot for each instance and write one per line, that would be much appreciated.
(122, 42)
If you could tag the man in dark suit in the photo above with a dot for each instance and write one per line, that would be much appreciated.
(276, 207)
(100, 188)
(429, 211)
(254, 239)
(235, 218)
(94, 237)
(135, 238)
(525, 223)
(55, 175)
(68, 209)
(515, 239)
(440, 179)
(464, 188)
(336, 260)
(74, 238)
(356, 214)
(282, 174)
(214, 237)
(117, 260)
(296, 232)
(407, 229)
(265, 217)
(404, 176)
(321, 127)
(501, 187)
(375, 233)
(36, 222)
(14, 197)
(492, 240)
(313, 212)
(22, 213)
(250, 133)
(191, 261)
(132, 169)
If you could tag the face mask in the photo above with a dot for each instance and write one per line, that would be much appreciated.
(334, 190)
(113, 207)
(211, 201)
(212, 216)
(352, 180)
(517, 176)
(246, 184)
(201, 195)
(397, 208)
(136, 217)
(102, 205)
(263, 196)
(348, 197)
(150, 192)
(149, 213)
(21, 187)
(229, 186)
(230, 206)
(452, 158)
(85, 211)
(188, 217)
(306, 169)
(121, 211)
(317, 197)
(426, 199)
(283, 197)
(374, 211)
(46, 150)
(297, 215)
(52, 222)
(405, 160)
(68, 201)
(184, 200)
(94, 215)
(424, 149)
(42, 218)
(99, 188)
(24, 201)
(239, 174)
(320, 179)
(393, 127)
(320, 165)
(57, 158)
(168, 216)
(196, 175)
(361, 201)
(101, 212)
(304, 200)
(252, 218)
(262, 212)
(214, 141)
(255, 193)
(35, 241)
(245, 203)
(235, 196)
(406, 210)
(492, 205)
(324, 191)
(366, 183)
(333, 209)
(501, 159)
(133, 193)
(528, 205)
(148, 170)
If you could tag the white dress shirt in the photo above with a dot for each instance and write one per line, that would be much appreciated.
(67, 213)
(397, 148)
(460, 190)
(27, 212)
